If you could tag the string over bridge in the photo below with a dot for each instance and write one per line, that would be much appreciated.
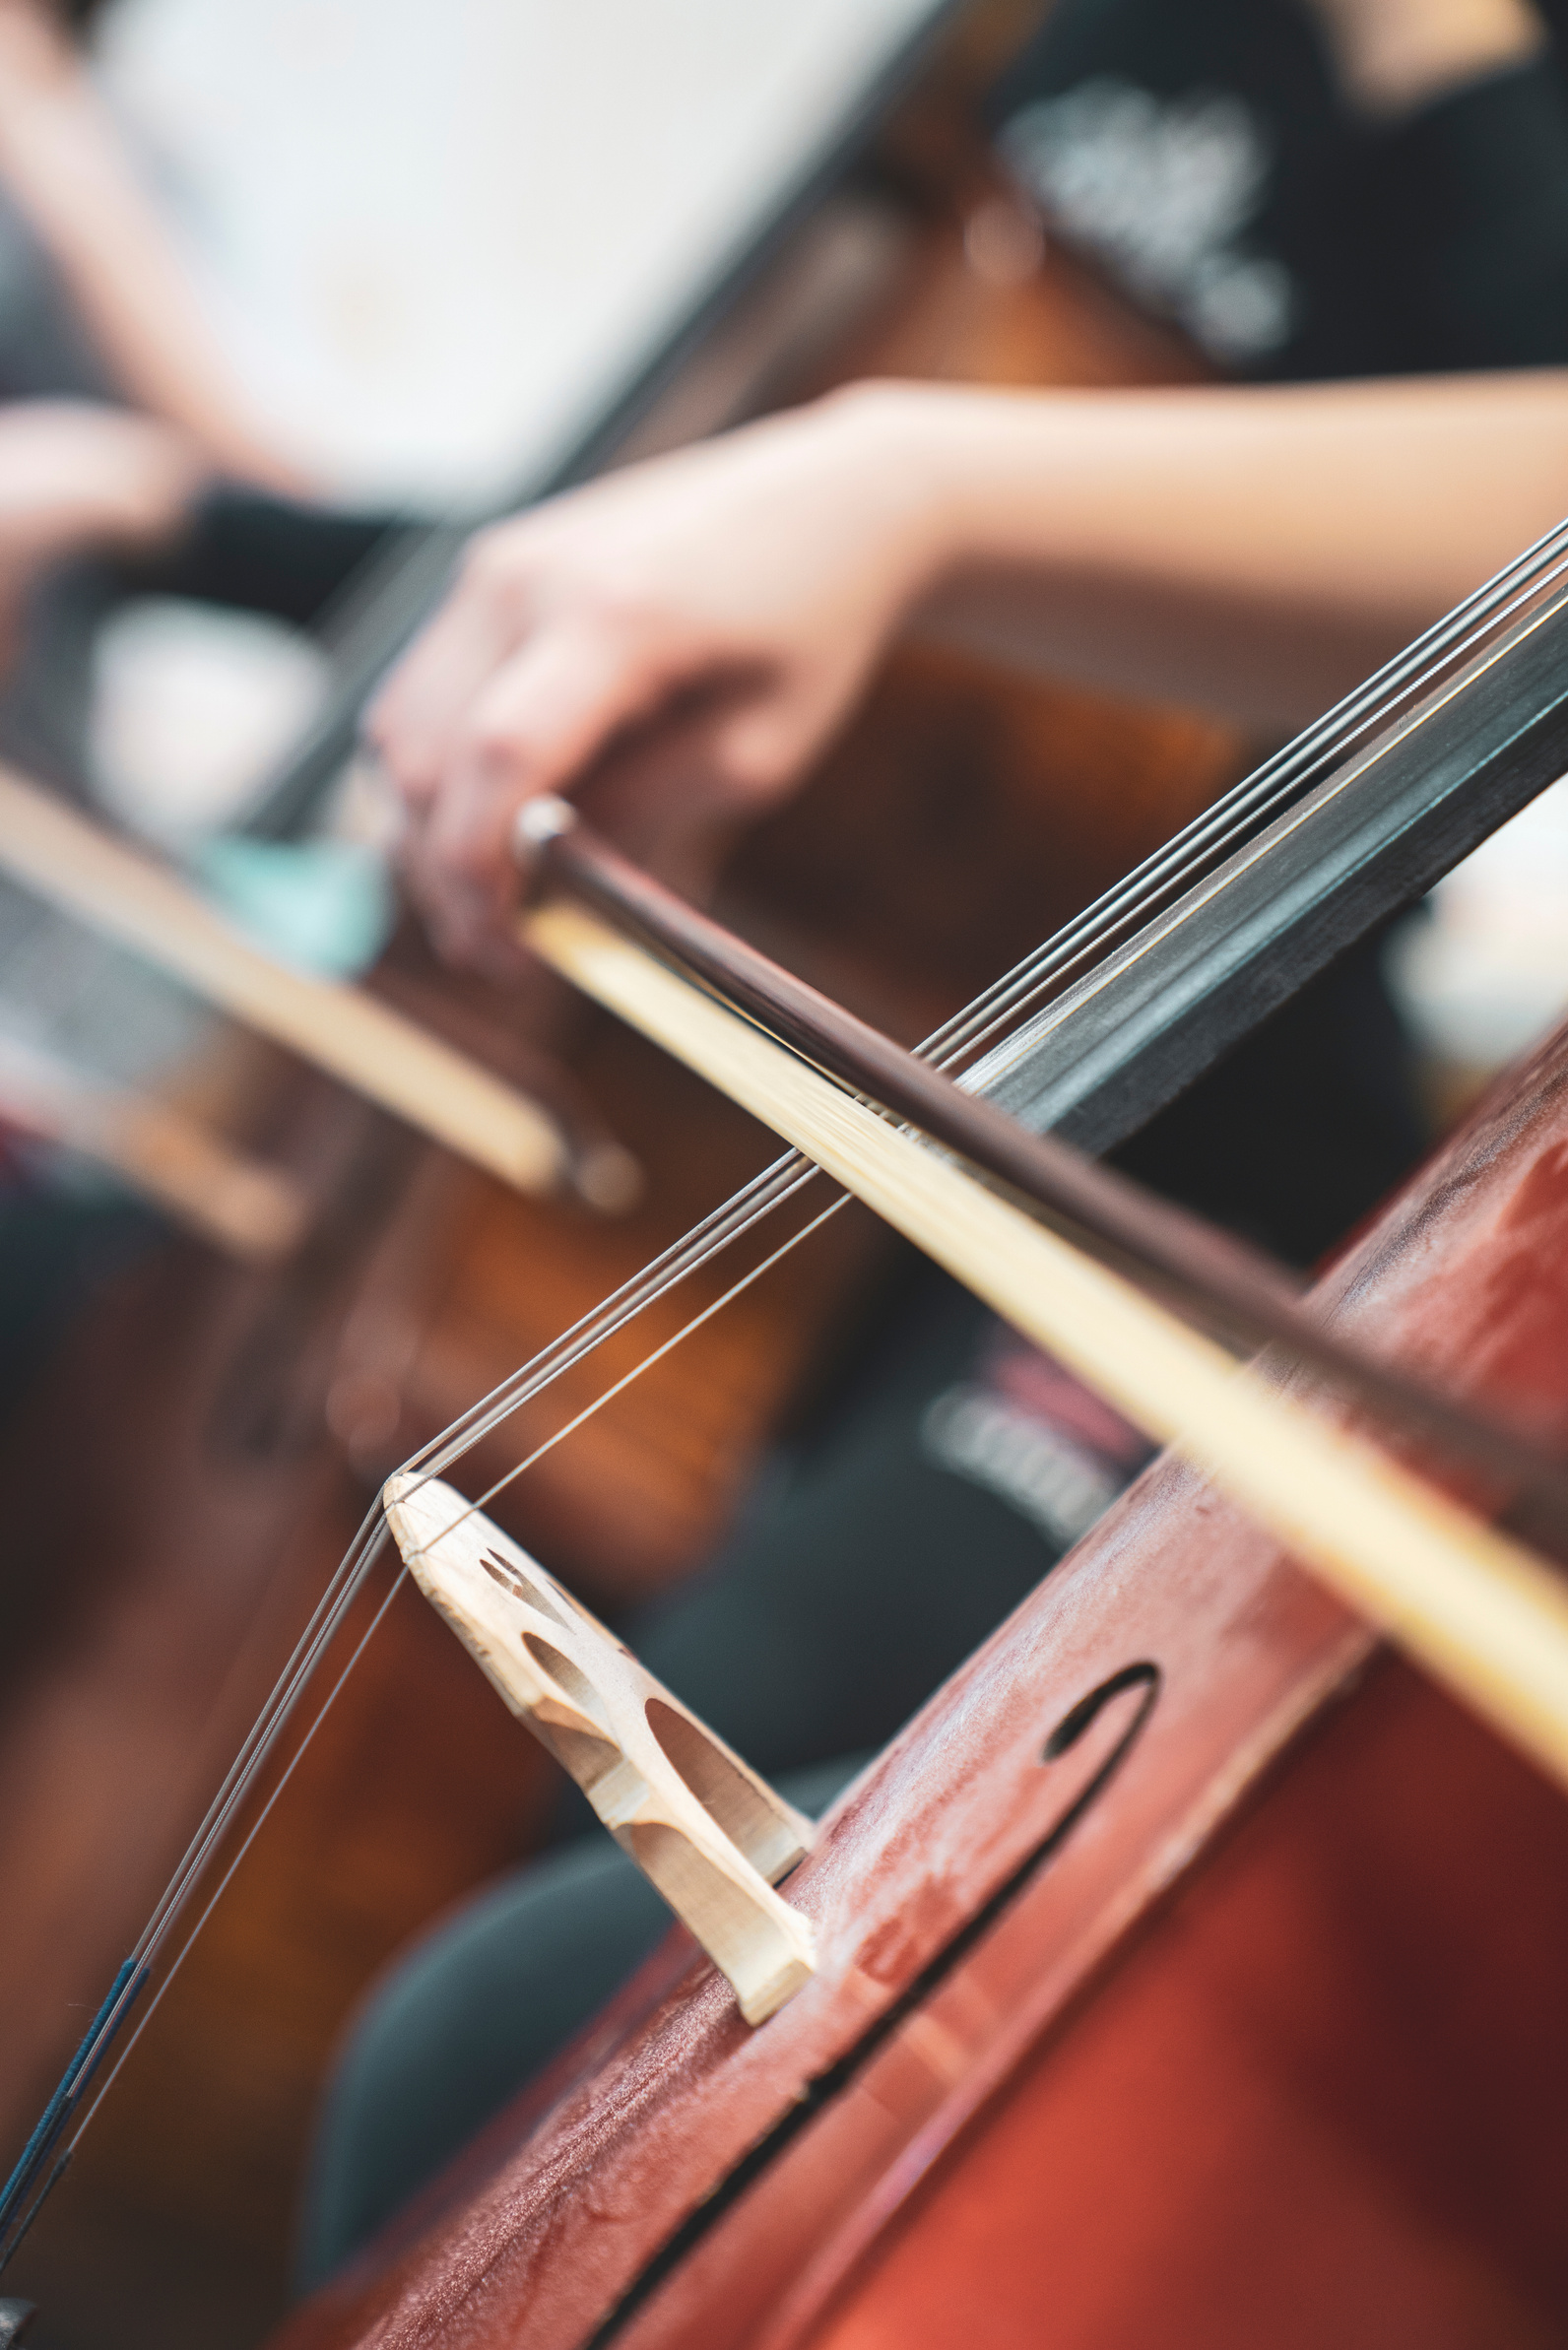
(707, 1832)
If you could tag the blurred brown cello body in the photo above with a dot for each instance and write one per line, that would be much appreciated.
(189, 1469)
(1190, 1971)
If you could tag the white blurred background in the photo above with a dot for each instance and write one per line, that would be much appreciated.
(440, 238)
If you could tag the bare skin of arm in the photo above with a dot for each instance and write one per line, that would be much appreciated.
(62, 161)
(674, 643)
(73, 477)
(1392, 56)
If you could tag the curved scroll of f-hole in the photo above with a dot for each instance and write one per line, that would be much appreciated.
(725, 1793)
(1078, 1719)
(1073, 1725)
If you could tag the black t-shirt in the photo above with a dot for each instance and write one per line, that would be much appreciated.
(1200, 151)
(1203, 152)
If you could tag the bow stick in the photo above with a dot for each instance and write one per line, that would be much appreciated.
(132, 899)
(1483, 1613)
(1235, 1285)
(255, 1211)
(1485, 1616)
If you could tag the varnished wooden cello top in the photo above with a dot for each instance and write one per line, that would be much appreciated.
(679, 2178)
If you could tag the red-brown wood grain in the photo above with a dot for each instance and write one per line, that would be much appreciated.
(1323, 2103)
(842, 2105)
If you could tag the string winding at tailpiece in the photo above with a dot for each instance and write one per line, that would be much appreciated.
(707, 1831)
(61, 2111)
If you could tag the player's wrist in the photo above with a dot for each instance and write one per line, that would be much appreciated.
(897, 468)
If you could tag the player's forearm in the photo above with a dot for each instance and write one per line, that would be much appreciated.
(1253, 551)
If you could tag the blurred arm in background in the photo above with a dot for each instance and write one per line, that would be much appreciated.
(63, 162)
(76, 477)
(1396, 56)
(79, 476)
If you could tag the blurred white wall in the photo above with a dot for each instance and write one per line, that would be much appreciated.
(438, 233)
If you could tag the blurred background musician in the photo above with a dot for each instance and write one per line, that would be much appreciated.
(1313, 188)
(125, 431)
(1369, 190)
(132, 462)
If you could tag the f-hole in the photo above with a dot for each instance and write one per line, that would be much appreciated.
(1079, 1718)
(827, 2085)
(1072, 1725)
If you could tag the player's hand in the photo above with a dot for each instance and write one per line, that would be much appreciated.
(672, 645)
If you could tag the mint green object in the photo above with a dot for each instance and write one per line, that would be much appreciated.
(325, 906)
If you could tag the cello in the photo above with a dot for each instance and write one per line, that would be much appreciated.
(1388, 808)
(1050, 2076)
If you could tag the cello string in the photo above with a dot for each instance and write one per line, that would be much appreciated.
(1267, 789)
(1439, 647)
(725, 1223)
(770, 1190)
(145, 1957)
(353, 1571)
(1264, 793)
(347, 1585)
(777, 1184)
(1397, 676)
(360, 1558)
(20, 2205)
(151, 2009)
(735, 1288)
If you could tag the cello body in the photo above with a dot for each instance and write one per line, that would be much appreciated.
(1190, 1971)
